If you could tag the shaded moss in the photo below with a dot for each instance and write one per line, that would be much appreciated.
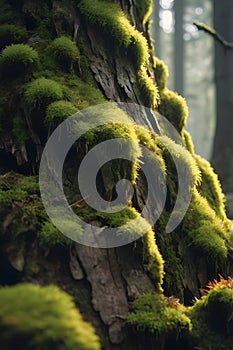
(41, 92)
(20, 131)
(11, 34)
(18, 59)
(144, 9)
(210, 187)
(57, 112)
(174, 108)
(49, 236)
(42, 317)
(64, 52)
(161, 73)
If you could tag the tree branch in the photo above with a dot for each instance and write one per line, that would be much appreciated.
(201, 26)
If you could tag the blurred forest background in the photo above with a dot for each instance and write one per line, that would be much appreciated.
(201, 70)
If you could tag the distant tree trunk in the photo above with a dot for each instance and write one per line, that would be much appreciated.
(156, 28)
(222, 157)
(179, 47)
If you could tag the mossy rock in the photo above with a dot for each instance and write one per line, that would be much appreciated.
(57, 112)
(17, 60)
(33, 317)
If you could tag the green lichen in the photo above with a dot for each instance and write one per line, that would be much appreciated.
(174, 108)
(161, 73)
(42, 318)
(210, 187)
(11, 34)
(64, 52)
(17, 60)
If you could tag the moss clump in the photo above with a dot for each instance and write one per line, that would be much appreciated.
(174, 108)
(210, 187)
(187, 141)
(16, 60)
(152, 316)
(212, 318)
(57, 112)
(64, 52)
(19, 130)
(153, 259)
(112, 20)
(206, 233)
(161, 73)
(11, 34)
(41, 92)
(50, 236)
(42, 318)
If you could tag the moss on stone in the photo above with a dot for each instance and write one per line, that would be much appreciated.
(174, 108)
(57, 112)
(42, 318)
(49, 236)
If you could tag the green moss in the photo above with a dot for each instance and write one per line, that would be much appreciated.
(11, 34)
(206, 233)
(153, 259)
(6, 13)
(174, 108)
(113, 21)
(210, 187)
(161, 73)
(187, 141)
(144, 9)
(64, 52)
(152, 316)
(18, 60)
(19, 131)
(57, 112)
(212, 318)
(42, 318)
(41, 92)
(50, 236)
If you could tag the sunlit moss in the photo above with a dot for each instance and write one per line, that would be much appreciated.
(174, 108)
(114, 22)
(42, 318)
(161, 73)
(187, 139)
(18, 59)
(206, 233)
(152, 316)
(144, 9)
(57, 112)
(210, 187)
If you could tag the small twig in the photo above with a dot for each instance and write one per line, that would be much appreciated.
(226, 44)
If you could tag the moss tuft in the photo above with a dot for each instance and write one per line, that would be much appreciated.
(187, 141)
(64, 52)
(57, 112)
(16, 60)
(161, 73)
(42, 318)
(49, 236)
(210, 187)
(144, 9)
(174, 108)
(41, 92)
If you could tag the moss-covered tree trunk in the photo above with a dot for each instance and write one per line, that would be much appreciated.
(112, 59)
